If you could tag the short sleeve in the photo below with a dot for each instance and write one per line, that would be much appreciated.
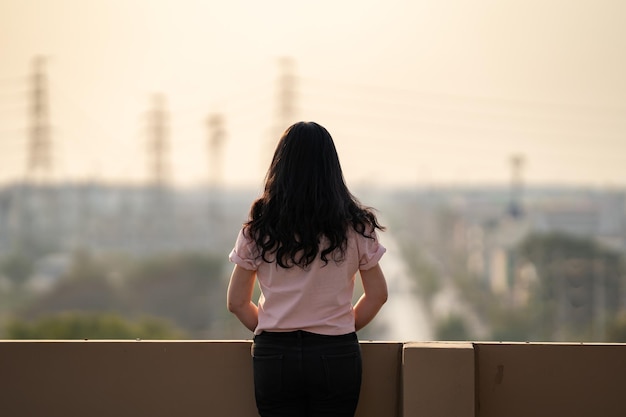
(245, 253)
(370, 251)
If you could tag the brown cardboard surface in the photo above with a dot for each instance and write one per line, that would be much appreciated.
(200, 378)
(381, 380)
(158, 378)
(438, 379)
(551, 380)
(66, 379)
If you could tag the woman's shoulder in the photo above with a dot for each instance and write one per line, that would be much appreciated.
(362, 236)
(246, 239)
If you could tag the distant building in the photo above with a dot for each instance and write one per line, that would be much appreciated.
(128, 219)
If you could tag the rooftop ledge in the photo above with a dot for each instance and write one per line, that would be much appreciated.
(214, 378)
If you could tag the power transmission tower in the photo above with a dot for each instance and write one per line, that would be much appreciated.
(160, 212)
(286, 92)
(39, 142)
(517, 186)
(217, 136)
(37, 216)
(285, 103)
(158, 149)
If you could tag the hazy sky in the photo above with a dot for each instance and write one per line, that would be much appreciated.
(412, 91)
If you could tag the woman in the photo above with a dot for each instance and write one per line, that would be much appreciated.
(305, 239)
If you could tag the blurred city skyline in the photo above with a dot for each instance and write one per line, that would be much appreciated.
(412, 92)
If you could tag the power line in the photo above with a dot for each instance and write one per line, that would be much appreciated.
(400, 111)
(380, 106)
(472, 100)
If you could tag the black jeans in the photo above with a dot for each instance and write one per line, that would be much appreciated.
(302, 374)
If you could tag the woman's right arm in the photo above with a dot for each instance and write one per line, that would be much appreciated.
(374, 296)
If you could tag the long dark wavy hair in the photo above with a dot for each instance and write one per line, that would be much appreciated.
(304, 200)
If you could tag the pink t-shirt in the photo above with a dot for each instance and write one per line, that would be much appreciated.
(317, 299)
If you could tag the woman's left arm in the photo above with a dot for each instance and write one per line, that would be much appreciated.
(239, 297)
(374, 296)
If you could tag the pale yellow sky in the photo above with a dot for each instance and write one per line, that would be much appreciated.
(412, 91)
